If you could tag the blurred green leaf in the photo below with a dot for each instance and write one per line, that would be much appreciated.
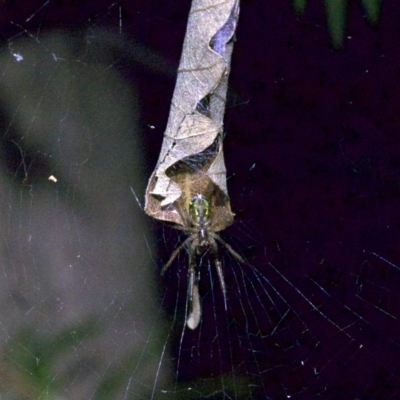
(110, 385)
(299, 6)
(31, 359)
(372, 10)
(336, 13)
(212, 388)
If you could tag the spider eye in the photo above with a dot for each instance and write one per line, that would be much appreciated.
(199, 208)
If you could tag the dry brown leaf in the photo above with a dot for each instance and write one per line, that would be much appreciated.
(191, 161)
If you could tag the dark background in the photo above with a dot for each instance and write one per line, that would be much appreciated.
(313, 157)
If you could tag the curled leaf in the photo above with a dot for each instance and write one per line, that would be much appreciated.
(191, 159)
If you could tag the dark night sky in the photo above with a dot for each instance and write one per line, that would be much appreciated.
(322, 128)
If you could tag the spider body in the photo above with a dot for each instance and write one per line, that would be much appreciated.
(201, 238)
(199, 211)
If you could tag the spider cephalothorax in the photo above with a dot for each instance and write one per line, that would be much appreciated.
(201, 238)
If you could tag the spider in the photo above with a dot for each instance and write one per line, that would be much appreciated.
(202, 236)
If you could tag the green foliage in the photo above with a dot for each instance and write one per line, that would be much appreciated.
(27, 368)
(32, 366)
(219, 387)
(299, 6)
(336, 14)
(372, 10)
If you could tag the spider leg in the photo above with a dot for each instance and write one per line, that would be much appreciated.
(218, 266)
(228, 247)
(192, 273)
(174, 254)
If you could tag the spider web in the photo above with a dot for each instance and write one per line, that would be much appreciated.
(314, 311)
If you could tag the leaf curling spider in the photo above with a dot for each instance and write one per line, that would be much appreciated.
(202, 237)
